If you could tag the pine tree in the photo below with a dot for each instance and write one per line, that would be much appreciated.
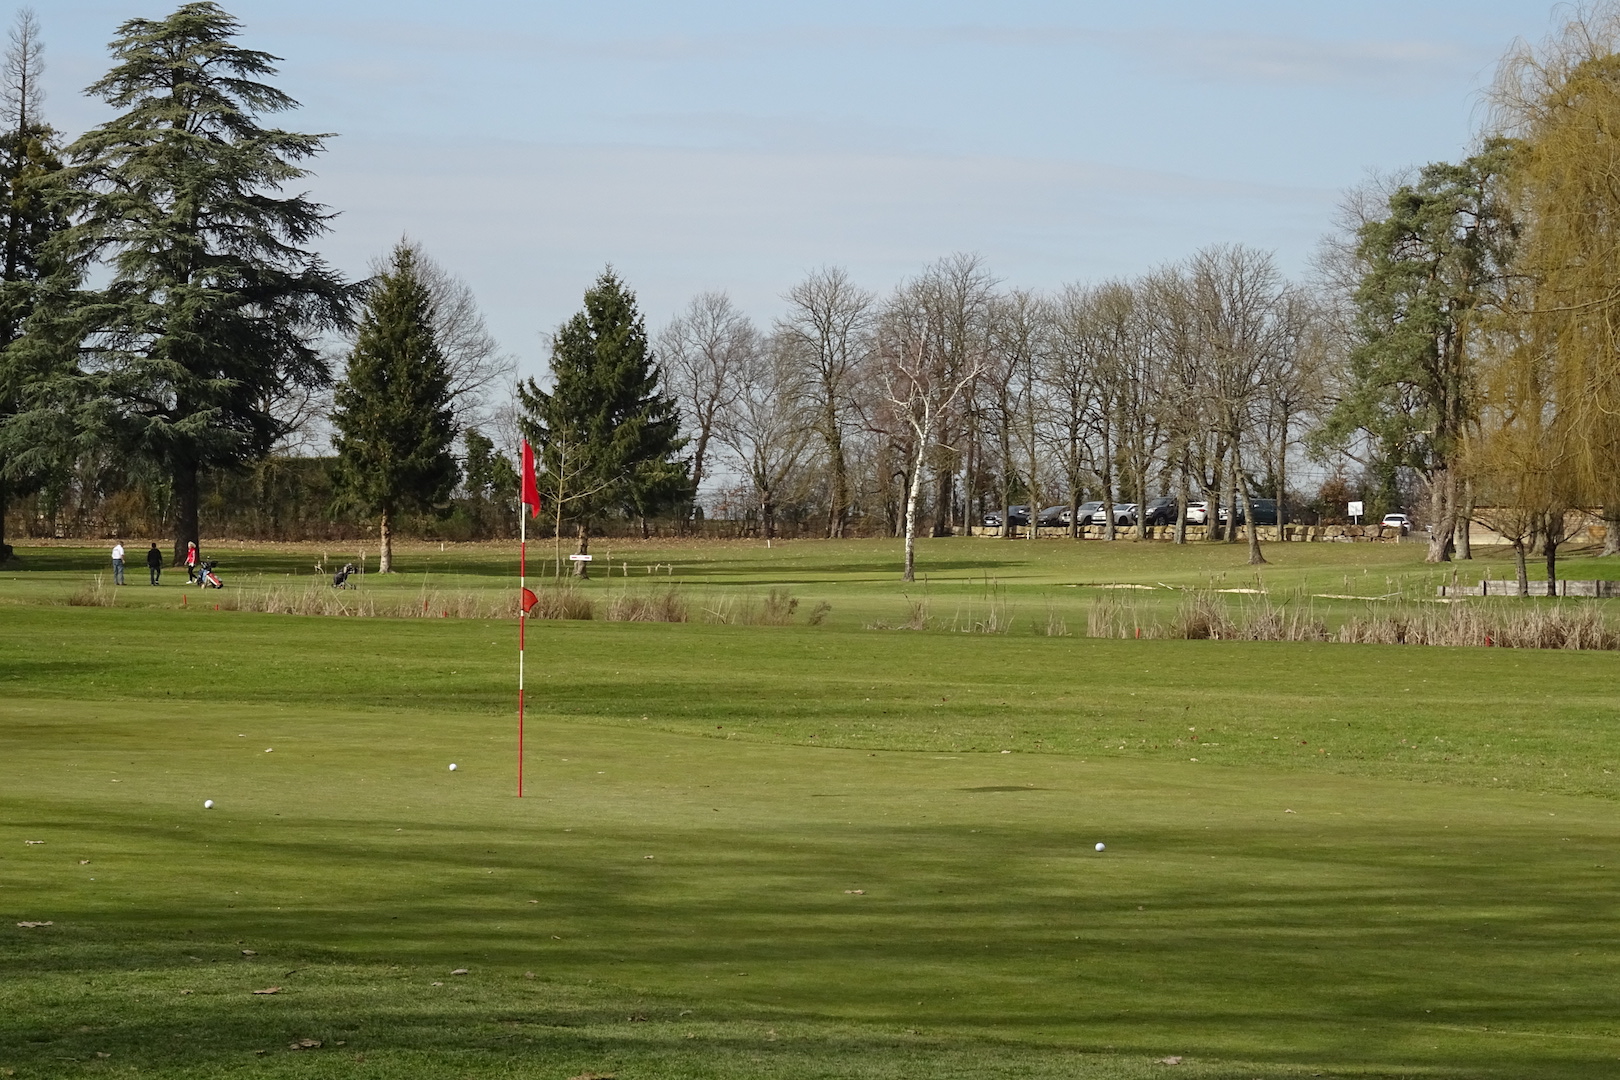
(607, 434)
(210, 301)
(29, 162)
(394, 419)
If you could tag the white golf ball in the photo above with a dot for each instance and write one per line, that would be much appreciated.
(1101, 846)
(452, 766)
(208, 804)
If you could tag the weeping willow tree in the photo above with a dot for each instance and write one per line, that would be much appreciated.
(1521, 454)
(1561, 103)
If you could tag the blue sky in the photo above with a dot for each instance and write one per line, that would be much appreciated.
(735, 146)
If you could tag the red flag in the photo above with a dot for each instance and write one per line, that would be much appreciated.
(529, 600)
(531, 490)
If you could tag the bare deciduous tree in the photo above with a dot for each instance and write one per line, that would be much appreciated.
(766, 425)
(828, 327)
(708, 352)
(930, 350)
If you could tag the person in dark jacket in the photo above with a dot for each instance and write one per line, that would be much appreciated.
(154, 563)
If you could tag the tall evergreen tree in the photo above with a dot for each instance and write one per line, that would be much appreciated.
(29, 162)
(210, 302)
(608, 436)
(394, 420)
(1431, 269)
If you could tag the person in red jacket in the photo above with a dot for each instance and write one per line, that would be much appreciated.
(191, 561)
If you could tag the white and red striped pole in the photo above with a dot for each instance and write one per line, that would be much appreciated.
(523, 621)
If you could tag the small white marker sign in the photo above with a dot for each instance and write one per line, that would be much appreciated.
(1355, 509)
(581, 558)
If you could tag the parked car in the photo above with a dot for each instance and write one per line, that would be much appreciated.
(1019, 515)
(1082, 512)
(1398, 521)
(1161, 511)
(1053, 516)
(1265, 512)
(1124, 514)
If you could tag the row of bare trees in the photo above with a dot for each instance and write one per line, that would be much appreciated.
(952, 395)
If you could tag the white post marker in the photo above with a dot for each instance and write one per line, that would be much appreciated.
(582, 558)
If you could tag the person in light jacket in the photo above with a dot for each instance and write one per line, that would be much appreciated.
(118, 562)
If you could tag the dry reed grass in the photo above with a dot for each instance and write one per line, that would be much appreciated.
(93, 594)
(775, 608)
(1203, 615)
(658, 605)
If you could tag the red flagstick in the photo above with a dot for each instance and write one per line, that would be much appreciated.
(523, 619)
(529, 497)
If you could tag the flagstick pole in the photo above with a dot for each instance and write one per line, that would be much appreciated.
(523, 619)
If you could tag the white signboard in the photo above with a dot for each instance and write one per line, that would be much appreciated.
(1355, 509)
(587, 558)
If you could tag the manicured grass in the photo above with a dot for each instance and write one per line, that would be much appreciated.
(1384, 861)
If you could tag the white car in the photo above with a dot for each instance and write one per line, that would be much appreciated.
(1398, 521)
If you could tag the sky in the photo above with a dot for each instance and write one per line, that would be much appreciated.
(736, 146)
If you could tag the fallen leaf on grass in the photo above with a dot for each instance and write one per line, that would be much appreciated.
(185, 991)
(528, 974)
(636, 1018)
(84, 862)
(304, 1044)
(594, 1076)
(32, 925)
(438, 984)
(459, 971)
(102, 1054)
(1168, 1061)
(854, 892)
(31, 843)
(249, 952)
(269, 990)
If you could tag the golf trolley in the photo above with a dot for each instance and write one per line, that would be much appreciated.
(206, 576)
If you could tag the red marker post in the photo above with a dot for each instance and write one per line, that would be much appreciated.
(526, 599)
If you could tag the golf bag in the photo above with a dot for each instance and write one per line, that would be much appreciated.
(340, 580)
(206, 576)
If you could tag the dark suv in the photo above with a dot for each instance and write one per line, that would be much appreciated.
(1265, 512)
(1161, 511)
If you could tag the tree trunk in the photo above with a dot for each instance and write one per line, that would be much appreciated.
(1553, 537)
(385, 557)
(5, 548)
(912, 490)
(1524, 573)
(1253, 527)
(1465, 522)
(1181, 506)
(1282, 481)
(838, 514)
(581, 567)
(1141, 504)
(1443, 514)
(1212, 498)
(185, 511)
(1611, 530)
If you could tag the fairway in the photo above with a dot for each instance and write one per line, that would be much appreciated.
(803, 850)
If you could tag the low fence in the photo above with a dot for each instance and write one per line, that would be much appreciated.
(1342, 534)
(1535, 588)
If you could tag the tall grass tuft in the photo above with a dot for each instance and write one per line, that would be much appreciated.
(658, 605)
(776, 608)
(94, 594)
(1205, 615)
